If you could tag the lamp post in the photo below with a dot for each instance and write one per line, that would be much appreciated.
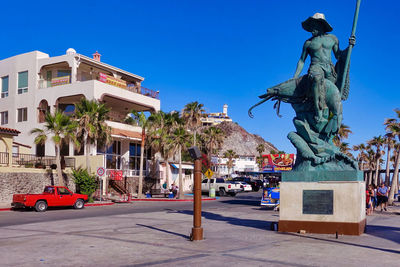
(197, 230)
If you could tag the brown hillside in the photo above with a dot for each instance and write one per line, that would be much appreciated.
(241, 141)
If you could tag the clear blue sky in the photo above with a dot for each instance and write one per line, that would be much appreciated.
(219, 52)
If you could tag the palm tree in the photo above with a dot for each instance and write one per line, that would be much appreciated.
(61, 129)
(192, 113)
(361, 155)
(161, 127)
(230, 155)
(388, 143)
(213, 138)
(260, 149)
(377, 142)
(370, 161)
(393, 126)
(91, 116)
(179, 141)
(142, 121)
(345, 149)
(342, 134)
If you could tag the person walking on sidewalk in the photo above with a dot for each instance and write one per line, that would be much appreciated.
(383, 196)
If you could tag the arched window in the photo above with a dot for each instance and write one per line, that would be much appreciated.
(43, 109)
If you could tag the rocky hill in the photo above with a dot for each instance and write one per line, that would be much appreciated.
(241, 141)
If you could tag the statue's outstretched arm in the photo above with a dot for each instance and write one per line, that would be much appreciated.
(302, 59)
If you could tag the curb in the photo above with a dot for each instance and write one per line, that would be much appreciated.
(5, 209)
(170, 200)
(99, 204)
(133, 200)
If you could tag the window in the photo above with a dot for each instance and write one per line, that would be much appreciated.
(63, 191)
(40, 148)
(22, 114)
(15, 150)
(4, 86)
(22, 82)
(134, 156)
(4, 117)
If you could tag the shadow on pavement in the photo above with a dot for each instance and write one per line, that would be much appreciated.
(242, 202)
(344, 243)
(258, 224)
(162, 230)
(386, 232)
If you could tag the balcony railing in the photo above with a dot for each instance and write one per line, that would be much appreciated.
(3, 157)
(130, 87)
(31, 161)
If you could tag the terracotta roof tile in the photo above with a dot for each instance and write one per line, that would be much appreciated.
(9, 131)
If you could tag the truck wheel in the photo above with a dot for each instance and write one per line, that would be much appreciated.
(41, 206)
(79, 204)
(222, 192)
(232, 194)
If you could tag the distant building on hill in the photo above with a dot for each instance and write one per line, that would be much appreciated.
(212, 119)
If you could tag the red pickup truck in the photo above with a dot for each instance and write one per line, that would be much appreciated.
(52, 196)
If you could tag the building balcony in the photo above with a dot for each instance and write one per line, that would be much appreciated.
(120, 100)
(42, 84)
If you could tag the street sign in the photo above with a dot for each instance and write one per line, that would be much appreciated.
(101, 171)
(209, 173)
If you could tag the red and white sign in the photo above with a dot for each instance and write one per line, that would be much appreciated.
(115, 175)
(100, 171)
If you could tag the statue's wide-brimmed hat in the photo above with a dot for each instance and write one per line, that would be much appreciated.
(308, 24)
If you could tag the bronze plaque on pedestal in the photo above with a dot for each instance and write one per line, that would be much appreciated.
(317, 201)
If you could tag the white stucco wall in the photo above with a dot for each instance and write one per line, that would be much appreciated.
(348, 201)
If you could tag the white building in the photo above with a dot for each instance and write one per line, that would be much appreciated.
(212, 119)
(241, 164)
(35, 83)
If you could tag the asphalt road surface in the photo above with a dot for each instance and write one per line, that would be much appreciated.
(26, 216)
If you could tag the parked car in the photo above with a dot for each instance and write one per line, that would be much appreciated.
(256, 184)
(52, 196)
(245, 186)
(221, 186)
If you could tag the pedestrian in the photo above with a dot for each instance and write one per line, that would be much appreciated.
(369, 193)
(174, 189)
(382, 194)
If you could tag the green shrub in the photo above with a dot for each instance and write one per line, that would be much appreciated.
(85, 183)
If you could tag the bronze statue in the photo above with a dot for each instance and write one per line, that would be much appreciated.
(317, 99)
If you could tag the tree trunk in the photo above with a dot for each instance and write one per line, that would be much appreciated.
(140, 190)
(370, 176)
(387, 174)
(376, 177)
(180, 174)
(393, 187)
(194, 138)
(58, 162)
(87, 152)
(167, 173)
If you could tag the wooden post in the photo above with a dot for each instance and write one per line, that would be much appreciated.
(197, 230)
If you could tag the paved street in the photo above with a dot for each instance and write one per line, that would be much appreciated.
(236, 230)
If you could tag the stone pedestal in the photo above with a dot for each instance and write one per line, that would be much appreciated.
(324, 202)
